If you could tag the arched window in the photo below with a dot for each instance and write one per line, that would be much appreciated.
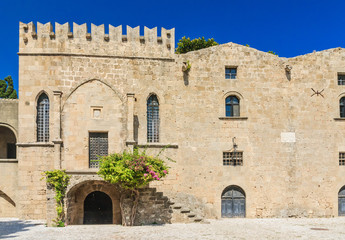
(342, 107)
(341, 202)
(42, 120)
(152, 119)
(232, 106)
(233, 202)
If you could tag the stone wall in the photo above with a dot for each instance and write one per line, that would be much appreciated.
(8, 167)
(289, 138)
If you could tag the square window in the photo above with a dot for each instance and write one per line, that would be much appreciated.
(233, 158)
(341, 158)
(230, 72)
(341, 78)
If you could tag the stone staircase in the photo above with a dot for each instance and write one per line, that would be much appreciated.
(154, 207)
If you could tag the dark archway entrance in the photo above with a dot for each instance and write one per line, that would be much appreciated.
(233, 202)
(98, 208)
(341, 202)
(7, 143)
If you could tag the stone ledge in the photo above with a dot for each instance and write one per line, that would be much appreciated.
(158, 145)
(7, 160)
(36, 144)
(166, 59)
(233, 118)
(83, 172)
(339, 119)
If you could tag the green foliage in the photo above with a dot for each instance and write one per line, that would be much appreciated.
(132, 170)
(6, 88)
(58, 179)
(186, 45)
(187, 66)
(271, 52)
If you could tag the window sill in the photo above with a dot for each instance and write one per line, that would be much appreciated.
(158, 145)
(91, 171)
(233, 118)
(36, 144)
(339, 119)
(8, 160)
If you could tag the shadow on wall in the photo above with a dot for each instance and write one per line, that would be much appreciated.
(10, 228)
(7, 198)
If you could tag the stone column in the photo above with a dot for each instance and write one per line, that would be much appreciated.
(130, 118)
(57, 129)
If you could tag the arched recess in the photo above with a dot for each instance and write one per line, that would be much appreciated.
(341, 201)
(100, 109)
(222, 103)
(8, 140)
(118, 94)
(233, 202)
(77, 195)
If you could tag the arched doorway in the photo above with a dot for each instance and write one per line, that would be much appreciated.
(341, 202)
(7, 143)
(98, 208)
(233, 202)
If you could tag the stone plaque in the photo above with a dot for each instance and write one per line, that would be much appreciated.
(288, 137)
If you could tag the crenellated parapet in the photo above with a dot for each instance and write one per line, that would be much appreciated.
(43, 39)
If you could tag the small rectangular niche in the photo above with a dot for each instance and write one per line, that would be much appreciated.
(96, 112)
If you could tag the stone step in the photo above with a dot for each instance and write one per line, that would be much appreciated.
(185, 210)
(191, 215)
(177, 207)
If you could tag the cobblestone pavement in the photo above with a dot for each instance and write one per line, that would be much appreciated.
(316, 228)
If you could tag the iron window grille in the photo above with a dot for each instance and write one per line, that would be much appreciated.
(232, 158)
(342, 107)
(152, 119)
(98, 147)
(230, 73)
(341, 158)
(232, 106)
(42, 119)
(341, 79)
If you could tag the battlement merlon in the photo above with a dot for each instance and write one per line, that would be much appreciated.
(42, 39)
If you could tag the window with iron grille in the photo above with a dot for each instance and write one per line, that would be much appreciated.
(152, 119)
(342, 158)
(230, 72)
(233, 158)
(42, 119)
(232, 106)
(342, 107)
(341, 79)
(98, 146)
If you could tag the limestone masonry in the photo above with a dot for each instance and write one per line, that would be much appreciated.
(252, 134)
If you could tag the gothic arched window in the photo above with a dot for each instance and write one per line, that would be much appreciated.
(342, 107)
(232, 106)
(152, 119)
(42, 119)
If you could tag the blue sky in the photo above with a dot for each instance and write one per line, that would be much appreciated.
(289, 28)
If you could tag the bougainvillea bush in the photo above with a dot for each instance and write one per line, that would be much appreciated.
(131, 171)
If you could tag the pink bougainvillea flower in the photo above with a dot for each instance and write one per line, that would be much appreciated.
(145, 174)
(165, 171)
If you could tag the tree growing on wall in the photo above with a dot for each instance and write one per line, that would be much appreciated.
(131, 171)
(6, 88)
(186, 45)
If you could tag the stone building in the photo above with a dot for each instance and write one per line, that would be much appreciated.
(252, 134)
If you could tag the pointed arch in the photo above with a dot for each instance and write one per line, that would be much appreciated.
(42, 117)
(152, 104)
(122, 98)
